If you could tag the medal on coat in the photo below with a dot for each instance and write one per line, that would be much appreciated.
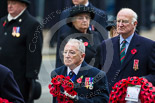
(89, 82)
(136, 64)
(16, 32)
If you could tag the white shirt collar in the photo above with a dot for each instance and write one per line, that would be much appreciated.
(14, 18)
(76, 70)
(128, 40)
(86, 4)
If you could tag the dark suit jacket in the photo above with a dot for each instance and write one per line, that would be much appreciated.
(8, 87)
(100, 18)
(99, 94)
(21, 54)
(108, 58)
(93, 38)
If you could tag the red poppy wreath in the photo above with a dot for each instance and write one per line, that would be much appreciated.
(64, 82)
(118, 93)
(4, 101)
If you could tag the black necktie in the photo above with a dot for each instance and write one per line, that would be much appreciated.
(71, 73)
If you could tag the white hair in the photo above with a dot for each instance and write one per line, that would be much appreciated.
(134, 14)
(81, 44)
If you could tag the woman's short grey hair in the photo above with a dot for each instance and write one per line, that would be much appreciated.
(81, 44)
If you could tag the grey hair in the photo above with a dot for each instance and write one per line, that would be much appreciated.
(134, 14)
(81, 44)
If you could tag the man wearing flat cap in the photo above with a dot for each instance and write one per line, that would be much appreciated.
(20, 45)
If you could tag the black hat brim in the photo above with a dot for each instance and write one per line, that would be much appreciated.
(79, 10)
(23, 1)
(110, 26)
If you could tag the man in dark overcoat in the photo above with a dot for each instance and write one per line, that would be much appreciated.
(92, 86)
(8, 87)
(127, 54)
(21, 44)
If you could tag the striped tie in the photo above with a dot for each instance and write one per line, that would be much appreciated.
(122, 51)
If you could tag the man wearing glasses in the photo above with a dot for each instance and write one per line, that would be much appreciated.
(93, 86)
(128, 54)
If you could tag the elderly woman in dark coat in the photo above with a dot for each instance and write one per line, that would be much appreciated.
(79, 21)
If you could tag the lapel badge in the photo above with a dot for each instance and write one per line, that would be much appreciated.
(20, 20)
(89, 82)
(16, 32)
(136, 64)
(79, 80)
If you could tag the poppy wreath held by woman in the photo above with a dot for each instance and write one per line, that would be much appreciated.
(146, 95)
(64, 82)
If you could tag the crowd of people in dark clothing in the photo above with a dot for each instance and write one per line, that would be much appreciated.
(89, 44)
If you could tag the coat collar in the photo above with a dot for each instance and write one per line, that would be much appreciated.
(21, 18)
(9, 17)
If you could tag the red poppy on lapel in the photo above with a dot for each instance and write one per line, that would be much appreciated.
(79, 80)
(133, 51)
(85, 43)
(4, 23)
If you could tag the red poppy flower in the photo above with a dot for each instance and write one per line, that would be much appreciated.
(55, 81)
(85, 43)
(4, 101)
(79, 80)
(143, 80)
(67, 78)
(66, 83)
(133, 51)
(4, 23)
(61, 98)
(118, 94)
(70, 85)
(124, 81)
